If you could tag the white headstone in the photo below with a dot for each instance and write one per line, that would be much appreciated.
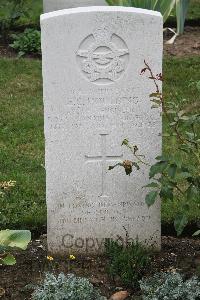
(95, 97)
(52, 5)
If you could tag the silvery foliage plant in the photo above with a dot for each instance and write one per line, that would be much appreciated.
(66, 287)
(170, 286)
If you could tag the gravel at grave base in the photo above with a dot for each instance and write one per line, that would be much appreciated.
(185, 45)
(181, 254)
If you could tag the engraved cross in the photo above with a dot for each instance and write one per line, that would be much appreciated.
(103, 158)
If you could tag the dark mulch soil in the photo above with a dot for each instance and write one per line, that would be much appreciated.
(182, 254)
(187, 44)
(6, 51)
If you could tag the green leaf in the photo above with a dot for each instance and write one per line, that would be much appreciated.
(167, 192)
(181, 12)
(164, 7)
(159, 167)
(192, 192)
(186, 206)
(184, 175)
(184, 118)
(15, 238)
(196, 233)
(9, 260)
(125, 142)
(198, 85)
(190, 135)
(177, 159)
(21, 53)
(152, 184)
(151, 198)
(181, 113)
(172, 123)
(172, 170)
(180, 222)
(185, 148)
(171, 111)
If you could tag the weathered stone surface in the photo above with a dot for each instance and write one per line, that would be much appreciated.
(52, 5)
(94, 97)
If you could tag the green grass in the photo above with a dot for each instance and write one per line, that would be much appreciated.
(33, 8)
(22, 143)
(22, 140)
(194, 10)
(36, 9)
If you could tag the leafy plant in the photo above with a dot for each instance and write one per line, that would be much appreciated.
(128, 263)
(67, 287)
(10, 239)
(163, 6)
(181, 12)
(176, 175)
(170, 286)
(27, 42)
(12, 11)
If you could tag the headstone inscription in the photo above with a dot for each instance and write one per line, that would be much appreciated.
(52, 5)
(95, 97)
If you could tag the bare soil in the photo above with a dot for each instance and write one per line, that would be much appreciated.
(187, 44)
(182, 254)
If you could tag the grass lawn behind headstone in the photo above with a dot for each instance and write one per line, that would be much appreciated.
(22, 143)
(22, 138)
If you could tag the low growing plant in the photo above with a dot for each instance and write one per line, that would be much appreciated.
(10, 239)
(129, 263)
(28, 42)
(170, 286)
(66, 287)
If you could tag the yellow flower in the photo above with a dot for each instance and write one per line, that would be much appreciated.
(50, 258)
(72, 257)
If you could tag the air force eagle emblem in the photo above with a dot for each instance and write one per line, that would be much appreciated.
(103, 57)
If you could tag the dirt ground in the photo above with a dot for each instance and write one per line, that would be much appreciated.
(182, 254)
(187, 44)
